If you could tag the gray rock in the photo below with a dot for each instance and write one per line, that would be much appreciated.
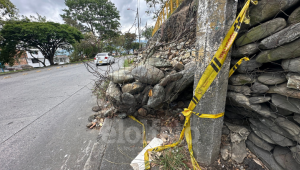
(272, 78)
(286, 103)
(296, 153)
(261, 31)
(259, 88)
(225, 130)
(280, 111)
(290, 127)
(129, 100)
(245, 50)
(170, 78)
(96, 108)
(158, 96)
(241, 111)
(241, 79)
(240, 89)
(261, 135)
(113, 93)
(232, 115)
(158, 62)
(270, 123)
(294, 17)
(284, 158)
(267, 9)
(248, 66)
(291, 65)
(296, 117)
(293, 80)
(277, 138)
(259, 99)
(264, 156)
(283, 90)
(226, 152)
(260, 142)
(238, 99)
(147, 74)
(287, 51)
(238, 151)
(241, 130)
(121, 76)
(133, 88)
(282, 37)
(178, 66)
(264, 110)
(122, 115)
(109, 112)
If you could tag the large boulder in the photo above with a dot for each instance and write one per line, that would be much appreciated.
(267, 9)
(259, 99)
(291, 65)
(170, 78)
(293, 80)
(241, 79)
(283, 90)
(121, 76)
(286, 103)
(260, 142)
(245, 90)
(259, 88)
(264, 156)
(294, 17)
(272, 78)
(238, 151)
(261, 31)
(133, 88)
(287, 51)
(129, 100)
(284, 158)
(113, 93)
(270, 123)
(290, 127)
(158, 62)
(245, 50)
(147, 74)
(247, 66)
(296, 152)
(157, 98)
(282, 37)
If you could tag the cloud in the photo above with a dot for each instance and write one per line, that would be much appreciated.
(53, 8)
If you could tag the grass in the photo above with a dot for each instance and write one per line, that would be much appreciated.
(127, 62)
(17, 71)
(172, 159)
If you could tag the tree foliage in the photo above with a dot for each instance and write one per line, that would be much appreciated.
(155, 6)
(129, 39)
(100, 17)
(147, 33)
(7, 9)
(26, 35)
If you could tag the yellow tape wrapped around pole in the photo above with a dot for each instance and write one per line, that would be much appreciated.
(207, 78)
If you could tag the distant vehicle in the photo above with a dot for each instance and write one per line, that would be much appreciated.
(104, 58)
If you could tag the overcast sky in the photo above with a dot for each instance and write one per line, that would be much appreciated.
(53, 8)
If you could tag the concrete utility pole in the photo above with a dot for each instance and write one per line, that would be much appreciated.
(214, 18)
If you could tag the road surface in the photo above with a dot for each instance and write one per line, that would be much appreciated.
(43, 114)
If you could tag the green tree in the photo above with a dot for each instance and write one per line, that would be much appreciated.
(100, 17)
(154, 7)
(129, 39)
(47, 37)
(147, 33)
(7, 9)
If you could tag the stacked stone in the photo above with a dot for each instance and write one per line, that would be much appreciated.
(264, 93)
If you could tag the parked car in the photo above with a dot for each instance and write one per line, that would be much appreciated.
(104, 58)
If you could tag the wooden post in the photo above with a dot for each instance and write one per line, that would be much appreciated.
(214, 18)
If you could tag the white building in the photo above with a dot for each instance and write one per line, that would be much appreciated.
(36, 54)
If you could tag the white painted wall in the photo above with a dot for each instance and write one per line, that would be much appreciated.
(39, 56)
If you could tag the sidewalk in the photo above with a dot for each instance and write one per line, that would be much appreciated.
(119, 142)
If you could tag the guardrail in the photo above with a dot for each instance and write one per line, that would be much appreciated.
(165, 13)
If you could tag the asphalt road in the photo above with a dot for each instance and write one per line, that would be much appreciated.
(43, 114)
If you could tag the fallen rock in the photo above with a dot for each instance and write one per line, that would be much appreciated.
(282, 37)
(261, 135)
(267, 9)
(287, 51)
(261, 31)
(158, 96)
(128, 100)
(238, 151)
(238, 99)
(260, 142)
(142, 112)
(113, 93)
(280, 111)
(290, 127)
(147, 74)
(241, 111)
(109, 112)
(283, 90)
(122, 115)
(294, 17)
(277, 138)
(248, 66)
(293, 81)
(170, 78)
(240, 89)
(296, 117)
(158, 62)
(121, 76)
(296, 153)
(241, 130)
(284, 158)
(270, 123)
(264, 156)
(96, 108)
(286, 103)
(291, 65)
(272, 78)
(226, 152)
(245, 50)
(241, 79)
(178, 66)
(133, 88)
(259, 88)
(259, 99)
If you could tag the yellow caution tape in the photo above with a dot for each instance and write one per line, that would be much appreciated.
(232, 70)
(204, 83)
(144, 131)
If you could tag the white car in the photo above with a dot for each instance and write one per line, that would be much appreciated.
(104, 58)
